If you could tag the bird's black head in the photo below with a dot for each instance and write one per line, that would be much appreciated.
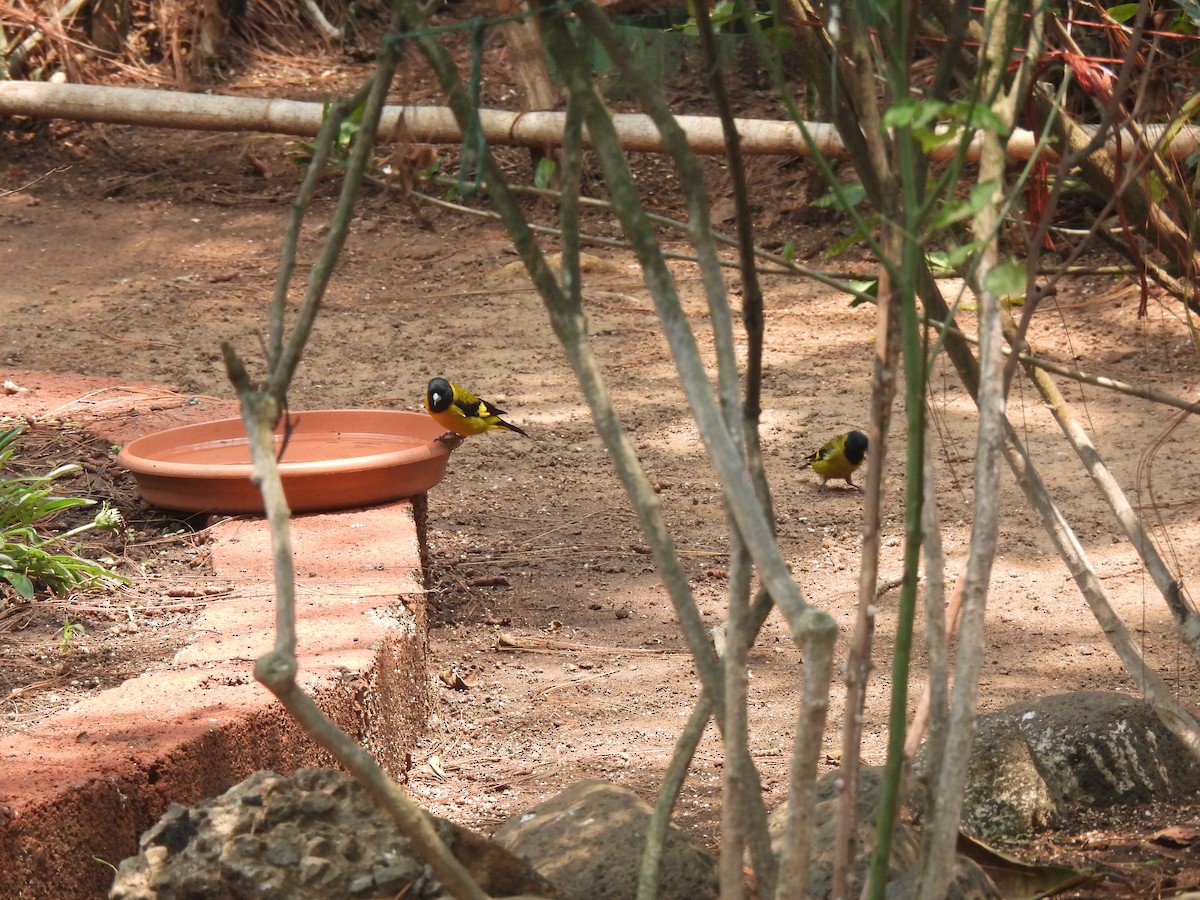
(439, 396)
(856, 446)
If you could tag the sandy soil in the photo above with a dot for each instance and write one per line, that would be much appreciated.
(147, 249)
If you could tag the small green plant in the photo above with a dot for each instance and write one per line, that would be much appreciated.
(104, 862)
(301, 152)
(724, 16)
(28, 558)
(70, 631)
(545, 173)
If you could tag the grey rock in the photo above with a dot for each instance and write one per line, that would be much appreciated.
(283, 852)
(174, 830)
(389, 880)
(351, 850)
(319, 846)
(588, 839)
(318, 804)
(313, 869)
(360, 885)
(1034, 763)
(316, 835)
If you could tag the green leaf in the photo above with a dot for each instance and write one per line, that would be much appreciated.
(780, 37)
(723, 12)
(840, 247)
(7, 441)
(20, 583)
(866, 287)
(957, 210)
(957, 256)
(1122, 12)
(900, 114)
(976, 116)
(913, 113)
(921, 117)
(979, 117)
(1006, 279)
(1155, 187)
(952, 211)
(853, 194)
(935, 123)
(24, 502)
(543, 175)
(931, 138)
(938, 261)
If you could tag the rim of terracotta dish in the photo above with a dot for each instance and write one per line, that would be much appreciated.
(137, 456)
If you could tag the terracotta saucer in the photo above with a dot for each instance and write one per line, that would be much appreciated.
(334, 459)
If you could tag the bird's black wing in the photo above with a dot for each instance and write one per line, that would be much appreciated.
(828, 450)
(472, 407)
(489, 409)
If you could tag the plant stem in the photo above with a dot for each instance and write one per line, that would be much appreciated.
(261, 410)
(796, 856)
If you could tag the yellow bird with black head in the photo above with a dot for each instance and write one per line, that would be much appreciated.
(461, 412)
(839, 457)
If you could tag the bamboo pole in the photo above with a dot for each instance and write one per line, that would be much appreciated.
(436, 125)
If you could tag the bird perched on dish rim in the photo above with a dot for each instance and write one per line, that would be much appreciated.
(839, 457)
(461, 412)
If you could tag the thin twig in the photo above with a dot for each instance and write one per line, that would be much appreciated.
(955, 741)
(681, 757)
(261, 409)
(781, 265)
(570, 325)
(1076, 374)
(741, 797)
(27, 185)
(939, 621)
(1167, 583)
(668, 794)
(317, 17)
(796, 856)
(283, 364)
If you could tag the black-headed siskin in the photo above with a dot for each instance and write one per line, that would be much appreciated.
(461, 412)
(839, 457)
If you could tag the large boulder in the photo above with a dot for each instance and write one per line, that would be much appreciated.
(1034, 763)
(588, 840)
(313, 836)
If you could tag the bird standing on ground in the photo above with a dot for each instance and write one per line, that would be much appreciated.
(839, 457)
(462, 412)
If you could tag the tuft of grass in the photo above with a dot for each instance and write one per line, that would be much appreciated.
(70, 631)
(29, 559)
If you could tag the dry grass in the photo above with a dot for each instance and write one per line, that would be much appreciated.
(177, 43)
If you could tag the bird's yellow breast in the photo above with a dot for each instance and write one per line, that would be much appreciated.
(454, 419)
(836, 466)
